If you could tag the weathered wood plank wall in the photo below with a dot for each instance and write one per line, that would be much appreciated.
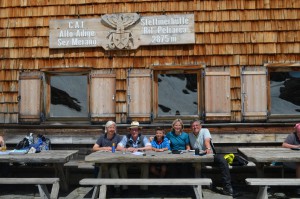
(231, 33)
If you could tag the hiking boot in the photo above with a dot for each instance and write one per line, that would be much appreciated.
(227, 190)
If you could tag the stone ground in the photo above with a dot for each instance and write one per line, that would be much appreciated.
(77, 192)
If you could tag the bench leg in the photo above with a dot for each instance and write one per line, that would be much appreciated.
(262, 193)
(54, 191)
(95, 192)
(198, 191)
(102, 194)
(43, 191)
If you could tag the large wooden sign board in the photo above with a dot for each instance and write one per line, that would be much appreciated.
(122, 31)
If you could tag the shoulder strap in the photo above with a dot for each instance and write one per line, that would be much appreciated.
(212, 147)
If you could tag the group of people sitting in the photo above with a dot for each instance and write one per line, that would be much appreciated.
(176, 139)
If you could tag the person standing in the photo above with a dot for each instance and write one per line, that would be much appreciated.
(293, 141)
(105, 143)
(200, 138)
(134, 142)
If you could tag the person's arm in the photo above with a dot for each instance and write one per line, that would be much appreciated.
(96, 147)
(122, 144)
(289, 142)
(287, 145)
(147, 145)
(1, 141)
(187, 146)
(208, 148)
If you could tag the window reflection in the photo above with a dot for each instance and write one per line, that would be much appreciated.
(285, 92)
(177, 94)
(68, 96)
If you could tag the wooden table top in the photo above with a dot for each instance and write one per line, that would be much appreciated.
(277, 154)
(51, 156)
(150, 157)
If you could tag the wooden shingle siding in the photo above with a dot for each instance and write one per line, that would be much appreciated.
(228, 33)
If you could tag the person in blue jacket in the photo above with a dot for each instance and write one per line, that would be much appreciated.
(159, 144)
(179, 140)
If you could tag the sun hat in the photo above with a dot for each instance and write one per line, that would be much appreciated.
(135, 124)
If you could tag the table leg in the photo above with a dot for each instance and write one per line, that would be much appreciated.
(260, 169)
(197, 170)
(59, 172)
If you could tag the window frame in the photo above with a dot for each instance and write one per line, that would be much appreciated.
(193, 69)
(288, 67)
(47, 96)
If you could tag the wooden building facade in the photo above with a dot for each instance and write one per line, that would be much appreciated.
(241, 49)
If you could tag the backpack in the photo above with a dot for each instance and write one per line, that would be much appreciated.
(235, 160)
(23, 144)
(42, 143)
(239, 161)
(26, 142)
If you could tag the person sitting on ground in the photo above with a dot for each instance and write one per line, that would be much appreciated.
(293, 141)
(104, 143)
(135, 142)
(159, 144)
(200, 138)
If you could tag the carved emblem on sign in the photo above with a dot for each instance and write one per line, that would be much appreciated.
(120, 37)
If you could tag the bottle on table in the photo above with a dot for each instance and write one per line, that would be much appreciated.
(113, 149)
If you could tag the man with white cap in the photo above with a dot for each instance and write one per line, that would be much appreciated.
(134, 142)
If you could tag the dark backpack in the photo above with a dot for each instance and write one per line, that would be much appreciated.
(23, 144)
(239, 161)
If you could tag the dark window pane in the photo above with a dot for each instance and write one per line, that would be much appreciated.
(68, 96)
(177, 94)
(285, 92)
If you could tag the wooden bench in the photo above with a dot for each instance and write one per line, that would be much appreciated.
(265, 182)
(40, 182)
(101, 184)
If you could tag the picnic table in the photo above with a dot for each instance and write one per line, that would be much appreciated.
(261, 156)
(104, 158)
(57, 158)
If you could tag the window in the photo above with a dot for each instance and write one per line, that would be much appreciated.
(285, 93)
(177, 93)
(67, 96)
